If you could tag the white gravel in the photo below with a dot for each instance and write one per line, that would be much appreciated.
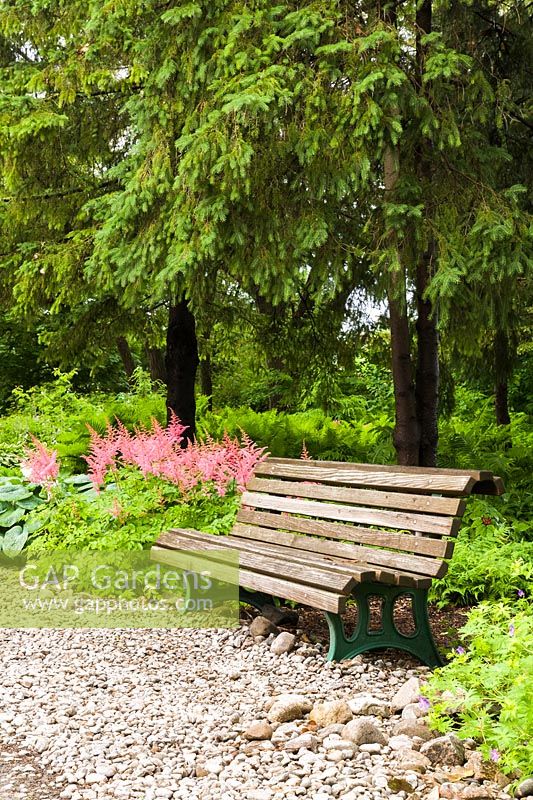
(146, 714)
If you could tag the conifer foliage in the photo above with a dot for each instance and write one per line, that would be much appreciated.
(181, 153)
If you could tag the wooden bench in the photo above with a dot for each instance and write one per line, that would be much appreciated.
(322, 532)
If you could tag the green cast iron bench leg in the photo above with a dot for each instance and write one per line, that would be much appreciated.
(420, 643)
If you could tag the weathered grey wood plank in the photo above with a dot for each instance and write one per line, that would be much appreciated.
(360, 570)
(427, 567)
(260, 562)
(449, 506)
(428, 523)
(422, 545)
(279, 587)
(365, 475)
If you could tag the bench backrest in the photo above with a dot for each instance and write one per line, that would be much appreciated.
(396, 519)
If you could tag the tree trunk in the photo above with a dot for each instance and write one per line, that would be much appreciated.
(501, 371)
(271, 338)
(125, 355)
(155, 358)
(406, 433)
(206, 380)
(181, 365)
(427, 368)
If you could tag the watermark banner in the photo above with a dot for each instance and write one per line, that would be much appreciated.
(121, 589)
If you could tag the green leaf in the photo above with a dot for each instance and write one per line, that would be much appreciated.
(11, 517)
(30, 503)
(14, 493)
(14, 541)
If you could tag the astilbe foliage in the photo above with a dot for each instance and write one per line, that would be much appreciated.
(158, 451)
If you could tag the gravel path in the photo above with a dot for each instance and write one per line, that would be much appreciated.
(99, 715)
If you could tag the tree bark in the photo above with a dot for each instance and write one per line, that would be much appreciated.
(501, 371)
(125, 355)
(181, 364)
(406, 431)
(427, 368)
(155, 358)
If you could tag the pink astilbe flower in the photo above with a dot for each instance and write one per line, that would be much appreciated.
(304, 455)
(41, 465)
(102, 454)
(116, 509)
(157, 451)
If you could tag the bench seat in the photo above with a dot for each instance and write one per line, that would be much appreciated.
(321, 533)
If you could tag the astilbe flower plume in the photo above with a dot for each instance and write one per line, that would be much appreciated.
(102, 453)
(158, 451)
(40, 465)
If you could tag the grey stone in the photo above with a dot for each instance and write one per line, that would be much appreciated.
(364, 730)
(445, 751)
(289, 707)
(306, 741)
(406, 694)
(525, 788)
(372, 748)
(283, 643)
(367, 705)
(214, 766)
(261, 626)
(331, 712)
(42, 744)
(258, 730)
(413, 711)
(412, 729)
(412, 761)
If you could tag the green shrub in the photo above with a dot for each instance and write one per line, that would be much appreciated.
(55, 414)
(491, 560)
(129, 515)
(488, 682)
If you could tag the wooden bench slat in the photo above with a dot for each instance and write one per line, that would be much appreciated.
(359, 570)
(443, 526)
(278, 587)
(476, 474)
(422, 545)
(260, 562)
(361, 475)
(449, 506)
(308, 595)
(427, 567)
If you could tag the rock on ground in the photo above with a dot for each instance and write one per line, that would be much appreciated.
(192, 714)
